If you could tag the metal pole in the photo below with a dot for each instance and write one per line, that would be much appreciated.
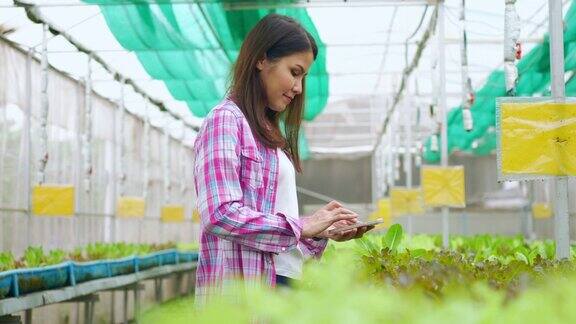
(125, 306)
(374, 159)
(183, 162)
(382, 162)
(78, 165)
(166, 165)
(3, 145)
(28, 316)
(466, 82)
(391, 159)
(166, 175)
(442, 113)
(529, 217)
(87, 134)
(110, 221)
(408, 156)
(28, 142)
(122, 152)
(561, 219)
(43, 155)
(86, 167)
(112, 306)
(375, 178)
(146, 151)
(146, 159)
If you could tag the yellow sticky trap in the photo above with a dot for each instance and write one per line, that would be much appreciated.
(383, 211)
(131, 207)
(443, 186)
(172, 214)
(541, 210)
(538, 139)
(53, 200)
(195, 216)
(406, 201)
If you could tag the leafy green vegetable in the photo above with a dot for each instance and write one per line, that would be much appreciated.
(435, 287)
(6, 261)
(34, 256)
(393, 238)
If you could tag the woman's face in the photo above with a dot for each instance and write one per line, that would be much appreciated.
(282, 78)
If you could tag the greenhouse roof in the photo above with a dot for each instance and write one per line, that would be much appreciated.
(179, 52)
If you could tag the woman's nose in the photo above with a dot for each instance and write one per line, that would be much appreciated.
(297, 88)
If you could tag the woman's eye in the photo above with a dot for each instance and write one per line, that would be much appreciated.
(295, 73)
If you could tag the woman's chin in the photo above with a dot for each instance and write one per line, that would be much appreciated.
(278, 108)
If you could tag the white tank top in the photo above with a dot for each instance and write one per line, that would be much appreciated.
(289, 263)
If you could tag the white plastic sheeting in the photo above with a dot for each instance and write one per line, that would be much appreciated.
(65, 127)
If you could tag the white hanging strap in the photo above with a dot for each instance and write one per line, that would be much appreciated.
(408, 145)
(146, 150)
(87, 134)
(377, 169)
(166, 164)
(183, 164)
(386, 160)
(391, 154)
(381, 173)
(120, 142)
(397, 144)
(434, 145)
(467, 92)
(418, 160)
(43, 153)
(511, 46)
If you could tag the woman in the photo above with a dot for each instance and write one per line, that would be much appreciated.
(245, 168)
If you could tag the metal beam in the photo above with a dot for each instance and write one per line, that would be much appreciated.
(33, 13)
(367, 95)
(337, 137)
(52, 296)
(331, 74)
(249, 5)
(246, 5)
(449, 41)
(443, 116)
(561, 217)
(338, 124)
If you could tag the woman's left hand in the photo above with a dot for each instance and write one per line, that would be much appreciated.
(346, 235)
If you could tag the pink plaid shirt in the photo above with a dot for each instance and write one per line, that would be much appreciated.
(236, 179)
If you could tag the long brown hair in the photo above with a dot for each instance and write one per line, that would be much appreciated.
(274, 37)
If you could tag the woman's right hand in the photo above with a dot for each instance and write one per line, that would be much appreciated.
(324, 218)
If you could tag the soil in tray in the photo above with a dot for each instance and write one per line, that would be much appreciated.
(6, 285)
(30, 284)
(4, 292)
(124, 269)
(146, 266)
(89, 276)
(86, 272)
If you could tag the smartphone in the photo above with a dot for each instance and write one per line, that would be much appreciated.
(349, 227)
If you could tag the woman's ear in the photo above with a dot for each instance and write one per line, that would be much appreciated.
(261, 63)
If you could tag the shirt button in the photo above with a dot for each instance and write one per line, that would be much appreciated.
(283, 249)
(271, 187)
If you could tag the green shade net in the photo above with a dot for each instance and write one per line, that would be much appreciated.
(191, 46)
(534, 80)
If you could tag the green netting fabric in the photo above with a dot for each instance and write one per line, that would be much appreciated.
(192, 45)
(534, 80)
